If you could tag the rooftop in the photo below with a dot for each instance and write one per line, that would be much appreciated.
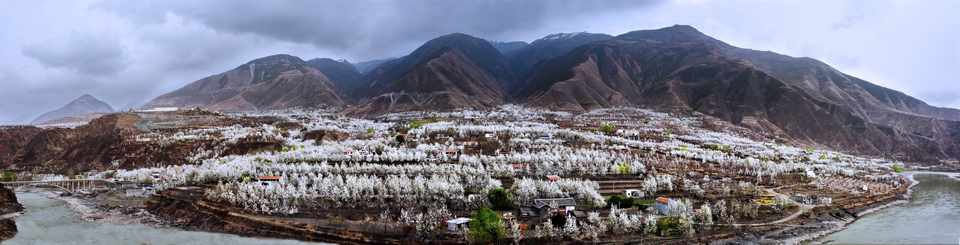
(562, 202)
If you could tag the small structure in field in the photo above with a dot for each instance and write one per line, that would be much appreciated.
(268, 180)
(453, 154)
(553, 178)
(665, 205)
(456, 224)
(634, 193)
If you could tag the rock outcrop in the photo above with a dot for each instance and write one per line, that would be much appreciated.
(8, 205)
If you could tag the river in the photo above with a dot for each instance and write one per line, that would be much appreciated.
(931, 217)
(49, 221)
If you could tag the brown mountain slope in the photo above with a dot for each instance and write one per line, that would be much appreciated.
(671, 68)
(478, 51)
(448, 81)
(273, 82)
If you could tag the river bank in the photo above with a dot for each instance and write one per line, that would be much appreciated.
(51, 221)
(827, 222)
(932, 216)
(830, 223)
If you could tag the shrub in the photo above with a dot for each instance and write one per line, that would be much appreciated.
(486, 226)
(500, 199)
(607, 129)
(10, 176)
(896, 168)
(620, 201)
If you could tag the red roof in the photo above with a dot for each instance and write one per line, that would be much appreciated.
(553, 177)
(517, 166)
(348, 151)
(450, 151)
(269, 177)
(663, 200)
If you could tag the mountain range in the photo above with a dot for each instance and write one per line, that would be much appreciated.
(798, 100)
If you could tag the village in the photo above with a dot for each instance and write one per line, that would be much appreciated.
(621, 175)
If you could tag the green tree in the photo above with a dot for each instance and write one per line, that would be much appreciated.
(620, 201)
(486, 226)
(896, 168)
(371, 130)
(10, 176)
(607, 128)
(400, 139)
(500, 199)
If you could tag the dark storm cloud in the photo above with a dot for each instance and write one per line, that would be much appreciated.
(368, 28)
(89, 53)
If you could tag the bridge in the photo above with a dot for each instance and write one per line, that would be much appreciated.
(72, 186)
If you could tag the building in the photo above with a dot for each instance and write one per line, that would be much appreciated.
(564, 205)
(451, 153)
(267, 180)
(553, 177)
(665, 206)
(634, 193)
(125, 184)
(456, 224)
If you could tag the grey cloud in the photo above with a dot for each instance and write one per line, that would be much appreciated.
(89, 53)
(367, 29)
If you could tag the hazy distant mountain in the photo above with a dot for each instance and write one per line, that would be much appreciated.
(507, 47)
(448, 72)
(368, 66)
(86, 104)
(135, 104)
(341, 73)
(272, 82)
(523, 58)
(799, 99)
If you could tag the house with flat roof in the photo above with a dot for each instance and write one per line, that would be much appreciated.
(457, 224)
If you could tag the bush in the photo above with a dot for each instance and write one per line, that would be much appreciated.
(500, 199)
(486, 226)
(10, 176)
(607, 129)
(668, 223)
(896, 168)
(620, 201)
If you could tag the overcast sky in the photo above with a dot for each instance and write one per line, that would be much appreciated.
(52, 52)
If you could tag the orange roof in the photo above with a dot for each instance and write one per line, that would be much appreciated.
(350, 151)
(663, 200)
(269, 177)
(553, 177)
(450, 151)
(99, 186)
(517, 166)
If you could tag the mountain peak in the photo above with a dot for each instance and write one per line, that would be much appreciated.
(85, 104)
(85, 97)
